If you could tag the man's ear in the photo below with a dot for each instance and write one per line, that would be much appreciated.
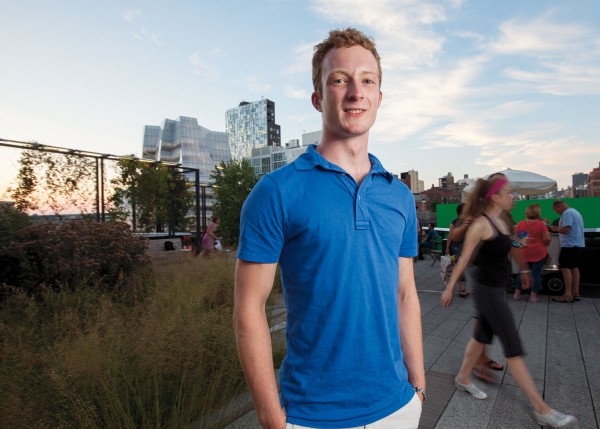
(316, 101)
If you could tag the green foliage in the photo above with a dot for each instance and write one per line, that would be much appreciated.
(155, 196)
(232, 184)
(73, 254)
(27, 182)
(56, 181)
(164, 361)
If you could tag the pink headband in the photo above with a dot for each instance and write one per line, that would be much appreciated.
(495, 188)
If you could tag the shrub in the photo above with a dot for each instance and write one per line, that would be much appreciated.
(11, 221)
(72, 255)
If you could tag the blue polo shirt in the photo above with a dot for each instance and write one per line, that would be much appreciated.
(575, 237)
(337, 245)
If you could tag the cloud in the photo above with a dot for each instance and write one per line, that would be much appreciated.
(559, 78)
(414, 102)
(141, 34)
(490, 97)
(255, 85)
(217, 51)
(309, 117)
(203, 67)
(144, 35)
(296, 93)
(302, 58)
(402, 29)
(552, 57)
(541, 37)
(420, 92)
(131, 14)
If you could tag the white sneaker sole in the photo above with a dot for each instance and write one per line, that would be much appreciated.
(471, 389)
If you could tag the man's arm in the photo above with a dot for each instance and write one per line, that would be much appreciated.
(409, 319)
(561, 230)
(474, 234)
(449, 241)
(253, 284)
(458, 233)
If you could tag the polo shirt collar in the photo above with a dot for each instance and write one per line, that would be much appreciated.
(311, 159)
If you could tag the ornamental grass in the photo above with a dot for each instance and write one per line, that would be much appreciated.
(85, 358)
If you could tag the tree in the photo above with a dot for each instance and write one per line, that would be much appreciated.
(232, 184)
(54, 181)
(154, 195)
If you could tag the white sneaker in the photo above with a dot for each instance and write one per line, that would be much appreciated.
(471, 389)
(554, 418)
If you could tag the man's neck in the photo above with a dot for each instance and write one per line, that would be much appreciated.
(351, 154)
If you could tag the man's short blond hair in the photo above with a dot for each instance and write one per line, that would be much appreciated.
(341, 39)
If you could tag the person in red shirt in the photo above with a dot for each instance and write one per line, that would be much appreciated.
(534, 234)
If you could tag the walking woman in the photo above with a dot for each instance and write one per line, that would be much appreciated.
(210, 237)
(488, 243)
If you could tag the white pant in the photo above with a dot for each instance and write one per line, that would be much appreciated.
(406, 417)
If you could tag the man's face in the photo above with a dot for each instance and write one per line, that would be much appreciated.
(351, 94)
(559, 209)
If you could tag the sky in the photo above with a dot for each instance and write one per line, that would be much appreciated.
(469, 87)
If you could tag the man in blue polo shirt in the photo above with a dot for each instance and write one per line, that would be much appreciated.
(343, 232)
(572, 242)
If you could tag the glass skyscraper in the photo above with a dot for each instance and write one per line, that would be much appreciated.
(185, 142)
(251, 125)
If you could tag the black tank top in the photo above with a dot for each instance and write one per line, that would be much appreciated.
(493, 265)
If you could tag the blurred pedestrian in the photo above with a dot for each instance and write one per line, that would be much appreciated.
(210, 237)
(456, 236)
(488, 243)
(458, 231)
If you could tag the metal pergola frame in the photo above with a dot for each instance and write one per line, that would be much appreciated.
(100, 157)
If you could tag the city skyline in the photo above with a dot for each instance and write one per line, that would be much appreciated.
(468, 87)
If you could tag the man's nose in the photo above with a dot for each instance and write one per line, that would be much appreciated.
(355, 91)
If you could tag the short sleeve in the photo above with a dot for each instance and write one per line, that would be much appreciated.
(409, 246)
(566, 219)
(262, 224)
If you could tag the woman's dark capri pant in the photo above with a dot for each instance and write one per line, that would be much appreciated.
(495, 318)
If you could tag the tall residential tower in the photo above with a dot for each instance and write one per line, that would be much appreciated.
(251, 125)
